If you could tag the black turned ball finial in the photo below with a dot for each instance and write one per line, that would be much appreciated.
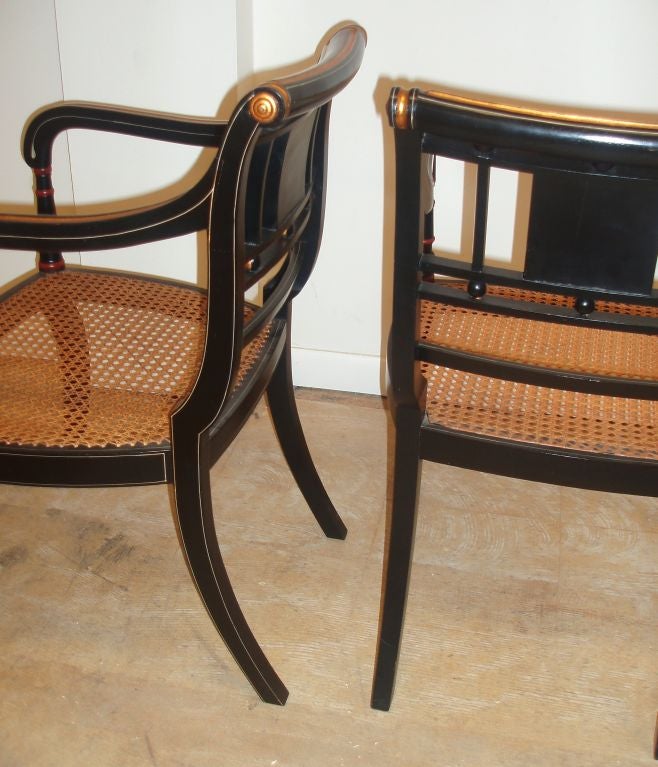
(477, 288)
(585, 305)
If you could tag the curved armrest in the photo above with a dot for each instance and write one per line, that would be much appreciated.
(54, 233)
(45, 125)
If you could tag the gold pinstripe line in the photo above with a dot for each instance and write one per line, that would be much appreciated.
(542, 114)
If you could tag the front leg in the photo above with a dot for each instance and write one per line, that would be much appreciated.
(201, 548)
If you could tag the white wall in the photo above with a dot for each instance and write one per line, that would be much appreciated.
(183, 56)
(29, 64)
(596, 53)
(155, 54)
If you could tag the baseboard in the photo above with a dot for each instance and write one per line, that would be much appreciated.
(336, 371)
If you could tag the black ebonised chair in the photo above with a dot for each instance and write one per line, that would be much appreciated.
(548, 371)
(118, 379)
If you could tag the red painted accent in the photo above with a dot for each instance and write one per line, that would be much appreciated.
(45, 192)
(41, 172)
(52, 266)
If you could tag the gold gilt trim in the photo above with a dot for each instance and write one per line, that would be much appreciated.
(401, 112)
(265, 108)
(542, 114)
(285, 96)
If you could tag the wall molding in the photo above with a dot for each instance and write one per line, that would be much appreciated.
(319, 369)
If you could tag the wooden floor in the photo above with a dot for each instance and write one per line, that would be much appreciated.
(531, 634)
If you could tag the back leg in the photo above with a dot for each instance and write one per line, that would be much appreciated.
(397, 560)
(201, 549)
(283, 408)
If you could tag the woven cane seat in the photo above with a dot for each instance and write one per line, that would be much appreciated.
(545, 416)
(95, 360)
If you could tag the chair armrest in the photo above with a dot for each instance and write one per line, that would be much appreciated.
(186, 213)
(45, 125)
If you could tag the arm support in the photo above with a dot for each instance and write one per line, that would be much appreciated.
(54, 233)
(180, 216)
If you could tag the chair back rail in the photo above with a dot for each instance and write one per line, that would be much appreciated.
(266, 211)
(592, 243)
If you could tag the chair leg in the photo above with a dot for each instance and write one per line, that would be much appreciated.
(397, 560)
(201, 549)
(283, 408)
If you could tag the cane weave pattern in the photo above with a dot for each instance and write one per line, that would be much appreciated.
(94, 360)
(541, 415)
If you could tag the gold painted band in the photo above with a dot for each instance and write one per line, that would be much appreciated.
(542, 114)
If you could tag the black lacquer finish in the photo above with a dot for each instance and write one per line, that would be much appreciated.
(592, 244)
(262, 204)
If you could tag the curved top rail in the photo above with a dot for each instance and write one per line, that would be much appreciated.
(337, 65)
(543, 114)
(591, 137)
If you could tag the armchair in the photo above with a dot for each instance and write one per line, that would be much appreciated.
(118, 379)
(547, 370)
